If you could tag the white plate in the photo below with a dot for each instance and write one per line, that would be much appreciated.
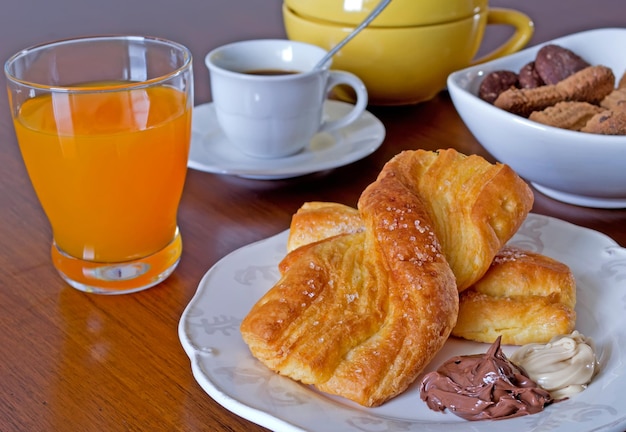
(223, 366)
(211, 152)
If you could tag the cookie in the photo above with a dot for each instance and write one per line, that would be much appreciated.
(555, 63)
(615, 101)
(607, 123)
(528, 76)
(495, 83)
(524, 101)
(566, 115)
(591, 84)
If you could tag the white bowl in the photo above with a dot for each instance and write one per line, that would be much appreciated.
(574, 167)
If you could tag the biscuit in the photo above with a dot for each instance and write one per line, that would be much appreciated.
(622, 81)
(528, 76)
(524, 101)
(495, 83)
(615, 101)
(555, 63)
(566, 115)
(607, 123)
(591, 85)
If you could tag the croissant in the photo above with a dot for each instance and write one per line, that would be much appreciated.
(525, 297)
(360, 310)
(476, 206)
(315, 221)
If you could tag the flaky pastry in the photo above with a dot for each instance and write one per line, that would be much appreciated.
(476, 207)
(315, 221)
(525, 297)
(360, 313)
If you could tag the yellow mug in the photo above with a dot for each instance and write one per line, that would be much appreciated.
(403, 65)
(399, 13)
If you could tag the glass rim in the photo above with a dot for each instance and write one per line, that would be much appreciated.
(92, 89)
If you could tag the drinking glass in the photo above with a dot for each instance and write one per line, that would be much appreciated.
(104, 125)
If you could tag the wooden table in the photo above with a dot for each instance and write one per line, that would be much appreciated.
(71, 361)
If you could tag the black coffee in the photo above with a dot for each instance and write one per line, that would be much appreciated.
(271, 72)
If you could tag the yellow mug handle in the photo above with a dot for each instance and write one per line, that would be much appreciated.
(524, 29)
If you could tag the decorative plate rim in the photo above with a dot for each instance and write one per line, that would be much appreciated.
(224, 368)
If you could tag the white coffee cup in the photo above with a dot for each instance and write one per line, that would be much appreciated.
(273, 116)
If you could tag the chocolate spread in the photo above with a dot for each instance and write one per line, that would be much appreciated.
(483, 386)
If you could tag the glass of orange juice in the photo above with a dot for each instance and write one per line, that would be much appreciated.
(104, 125)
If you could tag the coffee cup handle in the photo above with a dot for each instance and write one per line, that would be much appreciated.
(524, 29)
(345, 78)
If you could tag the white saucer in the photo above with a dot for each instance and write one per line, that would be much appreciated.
(211, 152)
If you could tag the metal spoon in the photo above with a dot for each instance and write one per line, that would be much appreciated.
(377, 10)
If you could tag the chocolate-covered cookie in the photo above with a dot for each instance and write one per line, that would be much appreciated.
(528, 76)
(555, 63)
(495, 83)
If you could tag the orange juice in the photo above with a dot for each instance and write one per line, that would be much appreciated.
(108, 168)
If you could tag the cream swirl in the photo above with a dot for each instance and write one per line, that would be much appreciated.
(564, 366)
